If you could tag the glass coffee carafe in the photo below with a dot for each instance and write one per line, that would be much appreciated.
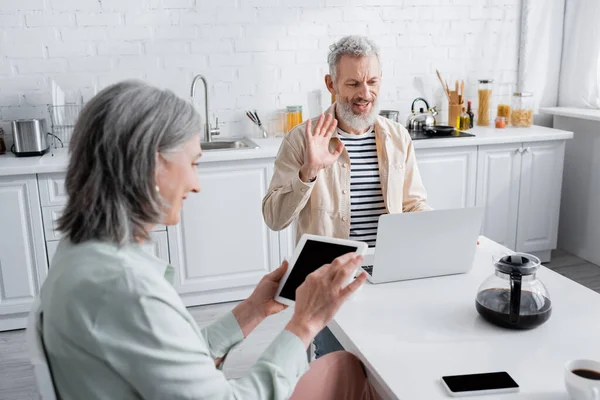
(513, 297)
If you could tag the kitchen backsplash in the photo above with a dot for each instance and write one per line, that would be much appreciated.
(258, 54)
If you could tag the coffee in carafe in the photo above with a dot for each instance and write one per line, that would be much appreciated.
(513, 297)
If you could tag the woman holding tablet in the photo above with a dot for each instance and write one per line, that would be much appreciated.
(113, 325)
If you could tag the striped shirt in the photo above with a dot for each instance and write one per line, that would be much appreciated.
(366, 197)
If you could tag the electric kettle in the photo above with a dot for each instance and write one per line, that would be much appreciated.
(29, 137)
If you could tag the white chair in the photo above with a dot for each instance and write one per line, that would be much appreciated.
(37, 353)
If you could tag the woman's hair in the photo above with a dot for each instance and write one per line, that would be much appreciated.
(111, 178)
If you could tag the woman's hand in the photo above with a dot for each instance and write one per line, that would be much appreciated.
(263, 296)
(260, 304)
(321, 295)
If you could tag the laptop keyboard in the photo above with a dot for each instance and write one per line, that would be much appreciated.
(368, 269)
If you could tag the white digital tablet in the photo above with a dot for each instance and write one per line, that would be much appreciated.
(311, 253)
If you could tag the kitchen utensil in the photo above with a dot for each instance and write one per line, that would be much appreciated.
(454, 108)
(462, 91)
(416, 121)
(253, 115)
(513, 297)
(390, 114)
(439, 130)
(444, 86)
(29, 137)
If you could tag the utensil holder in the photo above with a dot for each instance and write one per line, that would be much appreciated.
(454, 111)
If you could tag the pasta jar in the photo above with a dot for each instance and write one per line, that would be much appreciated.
(522, 109)
(293, 117)
(484, 98)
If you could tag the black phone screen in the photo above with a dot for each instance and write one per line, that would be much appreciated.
(313, 256)
(475, 382)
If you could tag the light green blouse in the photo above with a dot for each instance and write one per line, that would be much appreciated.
(115, 328)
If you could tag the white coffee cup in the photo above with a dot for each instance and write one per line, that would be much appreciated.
(580, 388)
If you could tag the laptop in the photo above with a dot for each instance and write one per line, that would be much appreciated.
(423, 244)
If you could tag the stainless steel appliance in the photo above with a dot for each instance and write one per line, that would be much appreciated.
(390, 114)
(417, 121)
(29, 137)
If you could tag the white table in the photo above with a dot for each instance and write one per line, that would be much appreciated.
(409, 334)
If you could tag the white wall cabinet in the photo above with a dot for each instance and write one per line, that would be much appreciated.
(519, 185)
(222, 246)
(23, 265)
(449, 176)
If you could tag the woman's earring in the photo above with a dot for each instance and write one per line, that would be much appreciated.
(157, 188)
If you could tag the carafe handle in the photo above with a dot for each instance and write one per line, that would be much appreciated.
(515, 297)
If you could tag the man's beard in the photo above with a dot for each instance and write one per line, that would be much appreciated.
(358, 122)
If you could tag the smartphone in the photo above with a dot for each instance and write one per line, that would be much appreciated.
(480, 384)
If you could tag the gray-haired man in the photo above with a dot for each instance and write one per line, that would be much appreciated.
(335, 175)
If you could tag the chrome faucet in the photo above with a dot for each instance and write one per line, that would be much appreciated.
(209, 131)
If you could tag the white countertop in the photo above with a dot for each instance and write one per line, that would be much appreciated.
(583, 113)
(489, 135)
(57, 161)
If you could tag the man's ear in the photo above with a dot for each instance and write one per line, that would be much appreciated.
(329, 84)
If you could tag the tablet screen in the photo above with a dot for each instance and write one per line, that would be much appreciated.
(313, 256)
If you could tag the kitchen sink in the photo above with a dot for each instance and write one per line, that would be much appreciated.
(234, 144)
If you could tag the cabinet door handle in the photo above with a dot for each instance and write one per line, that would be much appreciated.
(528, 150)
(520, 150)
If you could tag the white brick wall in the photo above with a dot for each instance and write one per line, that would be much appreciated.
(262, 54)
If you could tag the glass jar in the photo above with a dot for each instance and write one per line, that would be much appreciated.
(504, 101)
(484, 97)
(293, 117)
(500, 122)
(522, 109)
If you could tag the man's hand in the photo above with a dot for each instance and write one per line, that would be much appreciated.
(317, 155)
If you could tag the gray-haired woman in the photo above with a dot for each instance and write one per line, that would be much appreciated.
(113, 326)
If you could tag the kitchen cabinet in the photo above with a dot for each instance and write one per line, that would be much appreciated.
(23, 264)
(221, 248)
(498, 182)
(449, 176)
(287, 242)
(158, 246)
(539, 198)
(519, 185)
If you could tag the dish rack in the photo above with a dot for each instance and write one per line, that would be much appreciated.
(63, 119)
